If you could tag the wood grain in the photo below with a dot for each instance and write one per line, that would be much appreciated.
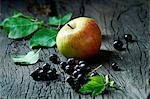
(115, 18)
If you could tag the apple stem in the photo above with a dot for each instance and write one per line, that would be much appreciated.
(70, 26)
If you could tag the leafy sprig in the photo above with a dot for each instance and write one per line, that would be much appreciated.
(97, 85)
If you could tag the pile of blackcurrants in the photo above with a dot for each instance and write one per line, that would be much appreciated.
(45, 73)
(77, 71)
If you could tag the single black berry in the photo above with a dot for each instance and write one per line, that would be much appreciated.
(76, 85)
(38, 75)
(46, 67)
(76, 67)
(115, 67)
(76, 73)
(82, 66)
(51, 74)
(63, 65)
(35, 74)
(81, 79)
(54, 58)
(68, 69)
(118, 45)
(70, 80)
(82, 62)
(128, 37)
(71, 61)
(85, 69)
(94, 74)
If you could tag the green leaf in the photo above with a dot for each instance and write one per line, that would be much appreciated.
(89, 87)
(58, 20)
(100, 79)
(96, 85)
(98, 90)
(44, 37)
(31, 58)
(19, 26)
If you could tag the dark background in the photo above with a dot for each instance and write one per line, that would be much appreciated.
(115, 18)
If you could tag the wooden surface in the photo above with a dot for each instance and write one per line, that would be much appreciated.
(115, 18)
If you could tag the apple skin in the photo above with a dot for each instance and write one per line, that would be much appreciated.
(83, 41)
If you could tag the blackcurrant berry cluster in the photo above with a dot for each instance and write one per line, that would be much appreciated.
(45, 73)
(118, 44)
(77, 71)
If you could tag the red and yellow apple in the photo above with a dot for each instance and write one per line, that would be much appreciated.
(79, 38)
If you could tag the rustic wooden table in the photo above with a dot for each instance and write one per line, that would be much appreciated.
(115, 18)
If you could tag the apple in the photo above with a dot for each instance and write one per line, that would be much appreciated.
(79, 38)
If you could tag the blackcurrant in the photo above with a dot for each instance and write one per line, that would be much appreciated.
(70, 80)
(46, 67)
(76, 67)
(81, 79)
(84, 68)
(63, 65)
(82, 62)
(76, 85)
(71, 61)
(68, 69)
(117, 44)
(76, 73)
(38, 75)
(36, 72)
(94, 74)
(128, 37)
(115, 67)
(51, 75)
(54, 58)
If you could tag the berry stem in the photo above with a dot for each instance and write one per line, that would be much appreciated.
(95, 69)
(70, 26)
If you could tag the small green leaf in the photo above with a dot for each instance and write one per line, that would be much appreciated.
(44, 37)
(31, 58)
(58, 20)
(99, 79)
(98, 90)
(96, 85)
(19, 26)
(89, 87)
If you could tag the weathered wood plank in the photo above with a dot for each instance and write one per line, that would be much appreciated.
(115, 19)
